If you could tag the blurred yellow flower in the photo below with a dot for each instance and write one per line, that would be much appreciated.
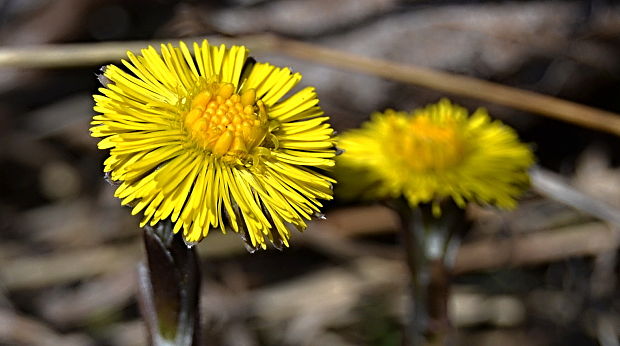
(207, 141)
(433, 153)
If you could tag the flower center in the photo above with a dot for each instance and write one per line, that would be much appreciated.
(226, 123)
(432, 146)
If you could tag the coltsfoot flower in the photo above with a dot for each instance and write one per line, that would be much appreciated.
(434, 153)
(209, 140)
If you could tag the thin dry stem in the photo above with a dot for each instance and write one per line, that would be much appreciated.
(459, 85)
(52, 56)
(555, 187)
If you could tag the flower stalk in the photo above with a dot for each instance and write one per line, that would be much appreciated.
(169, 288)
(429, 242)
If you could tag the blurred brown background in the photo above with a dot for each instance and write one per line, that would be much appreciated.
(545, 274)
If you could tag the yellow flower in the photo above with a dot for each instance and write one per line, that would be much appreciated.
(433, 153)
(209, 141)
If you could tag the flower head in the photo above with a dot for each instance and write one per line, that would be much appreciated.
(209, 140)
(434, 153)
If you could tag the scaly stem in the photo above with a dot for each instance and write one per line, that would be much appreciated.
(169, 288)
(428, 243)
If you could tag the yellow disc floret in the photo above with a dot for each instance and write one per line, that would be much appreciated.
(225, 123)
(435, 146)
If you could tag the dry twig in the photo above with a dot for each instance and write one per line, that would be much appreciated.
(554, 187)
(48, 56)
